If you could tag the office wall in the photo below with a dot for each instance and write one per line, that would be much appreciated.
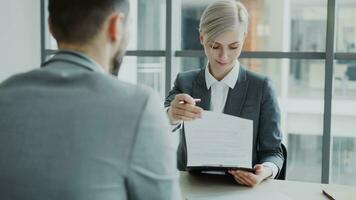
(19, 36)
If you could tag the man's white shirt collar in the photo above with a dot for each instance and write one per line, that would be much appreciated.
(230, 79)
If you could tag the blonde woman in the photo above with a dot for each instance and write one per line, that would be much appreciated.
(226, 86)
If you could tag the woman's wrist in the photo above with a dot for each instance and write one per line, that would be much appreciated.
(172, 121)
(268, 172)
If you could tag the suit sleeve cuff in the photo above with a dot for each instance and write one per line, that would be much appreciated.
(273, 167)
(174, 127)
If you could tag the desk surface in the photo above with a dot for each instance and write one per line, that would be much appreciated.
(204, 186)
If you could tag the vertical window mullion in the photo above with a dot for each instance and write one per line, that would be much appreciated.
(329, 65)
(43, 31)
(168, 52)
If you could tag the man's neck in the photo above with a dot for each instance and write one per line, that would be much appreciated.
(92, 52)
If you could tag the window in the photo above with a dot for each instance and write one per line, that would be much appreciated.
(343, 127)
(147, 71)
(345, 27)
(273, 26)
(147, 25)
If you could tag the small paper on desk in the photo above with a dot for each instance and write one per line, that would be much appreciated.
(219, 139)
(245, 196)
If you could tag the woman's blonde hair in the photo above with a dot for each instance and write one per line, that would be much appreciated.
(222, 16)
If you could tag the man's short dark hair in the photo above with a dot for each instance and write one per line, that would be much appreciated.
(79, 21)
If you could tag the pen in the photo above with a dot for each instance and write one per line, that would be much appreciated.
(328, 195)
(196, 100)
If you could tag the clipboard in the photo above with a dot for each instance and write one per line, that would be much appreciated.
(231, 149)
(220, 168)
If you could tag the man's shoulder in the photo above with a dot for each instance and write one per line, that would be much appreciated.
(99, 84)
(16, 79)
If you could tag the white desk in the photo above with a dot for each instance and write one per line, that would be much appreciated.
(215, 186)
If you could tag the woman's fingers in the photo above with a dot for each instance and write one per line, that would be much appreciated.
(183, 108)
(246, 178)
(241, 182)
(184, 98)
(189, 113)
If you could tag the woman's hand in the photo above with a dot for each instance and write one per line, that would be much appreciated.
(183, 108)
(251, 179)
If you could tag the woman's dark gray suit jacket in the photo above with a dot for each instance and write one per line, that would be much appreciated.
(252, 98)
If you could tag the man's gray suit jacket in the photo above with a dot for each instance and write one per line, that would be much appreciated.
(70, 131)
(251, 98)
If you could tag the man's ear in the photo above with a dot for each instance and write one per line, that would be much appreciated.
(201, 39)
(245, 36)
(116, 26)
(50, 26)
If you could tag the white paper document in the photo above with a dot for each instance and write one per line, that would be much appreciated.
(219, 139)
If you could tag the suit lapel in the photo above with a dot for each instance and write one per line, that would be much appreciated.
(236, 97)
(200, 91)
